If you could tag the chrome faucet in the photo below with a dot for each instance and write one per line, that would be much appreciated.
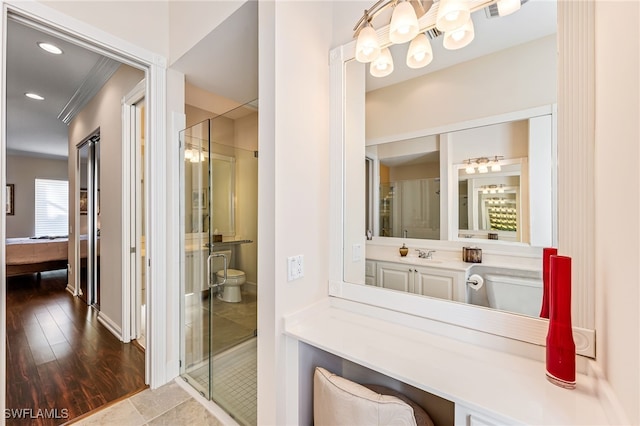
(404, 233)
(425, 254)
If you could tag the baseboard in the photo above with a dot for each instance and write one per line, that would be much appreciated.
(71, 289)
(110, 325)
(251, 287)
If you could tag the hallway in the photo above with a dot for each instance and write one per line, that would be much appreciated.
(59, 357)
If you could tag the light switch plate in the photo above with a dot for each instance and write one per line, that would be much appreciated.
(295, 267)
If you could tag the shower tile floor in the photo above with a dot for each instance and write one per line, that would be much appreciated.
(233, 347)
(234, 381)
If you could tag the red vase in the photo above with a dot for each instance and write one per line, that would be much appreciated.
(561, 350)
(546, 254)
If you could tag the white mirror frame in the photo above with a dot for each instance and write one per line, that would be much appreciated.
(575, 201)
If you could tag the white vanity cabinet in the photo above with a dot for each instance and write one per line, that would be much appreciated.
(421, 280)
(370, 272)
(196, 271)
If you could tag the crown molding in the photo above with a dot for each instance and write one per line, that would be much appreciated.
(97, 77)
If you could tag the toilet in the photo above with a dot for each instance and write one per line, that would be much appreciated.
(230, 290)
(514, 294)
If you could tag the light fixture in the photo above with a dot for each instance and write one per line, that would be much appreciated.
(367, 46)
(481, 164)
(459, 37)
(34, 96)
(51, 48)
(452, 14)
(495, 163)
(382, 66)
(507, 7)
(420, 53)
(470, 168)
(411, 21)
(404, 23)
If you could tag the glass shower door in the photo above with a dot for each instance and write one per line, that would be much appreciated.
(195, 292)
(219, 183)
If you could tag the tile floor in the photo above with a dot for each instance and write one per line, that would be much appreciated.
(170, 404)
(177, 403)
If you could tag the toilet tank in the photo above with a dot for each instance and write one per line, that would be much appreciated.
(217, 263)
(514, 294)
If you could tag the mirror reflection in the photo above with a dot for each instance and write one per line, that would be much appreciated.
(492, 111)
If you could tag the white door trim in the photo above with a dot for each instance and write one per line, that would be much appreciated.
(157, 369)
(130, 242)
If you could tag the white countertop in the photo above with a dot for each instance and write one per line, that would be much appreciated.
(510, 388)
(448, 259)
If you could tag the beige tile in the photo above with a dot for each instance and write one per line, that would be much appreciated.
(152, 403)
(189, 413)
(123, 413)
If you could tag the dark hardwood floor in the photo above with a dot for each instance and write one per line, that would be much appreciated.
(59, 357)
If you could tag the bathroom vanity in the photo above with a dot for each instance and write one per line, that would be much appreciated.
(487, 386)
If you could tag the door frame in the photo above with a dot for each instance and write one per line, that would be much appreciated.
(130, 197)
(161, 357)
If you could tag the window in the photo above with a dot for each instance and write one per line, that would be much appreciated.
(52, 207)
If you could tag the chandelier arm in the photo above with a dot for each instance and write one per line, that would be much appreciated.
(371, 13)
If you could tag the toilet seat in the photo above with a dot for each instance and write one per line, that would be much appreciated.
(230, 290)
(232, 274)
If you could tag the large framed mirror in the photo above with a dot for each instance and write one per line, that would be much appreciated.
(419, 136)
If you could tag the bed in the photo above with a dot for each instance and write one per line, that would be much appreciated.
(35, 255)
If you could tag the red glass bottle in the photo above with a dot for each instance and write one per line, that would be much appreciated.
(561, 349)
(546, 254)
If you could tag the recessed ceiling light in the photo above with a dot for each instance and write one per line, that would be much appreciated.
(50, 48)
(34, 96)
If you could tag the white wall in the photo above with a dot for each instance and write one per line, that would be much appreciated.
(143, 23)
(293, 180)
(617, 237)
(105, 112)
(518, 78)
(22, 172)
(190, 21)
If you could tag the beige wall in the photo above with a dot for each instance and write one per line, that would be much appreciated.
(617, 237)
(463, 91)
(105, 112)
(22, 172)
(246, 142)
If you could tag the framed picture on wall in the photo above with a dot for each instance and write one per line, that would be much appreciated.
(9, 210)
(84, 201)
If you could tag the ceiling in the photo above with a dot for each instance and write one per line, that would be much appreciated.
(33, 127)
(216, 64)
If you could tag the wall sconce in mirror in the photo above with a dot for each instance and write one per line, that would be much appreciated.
(9, 209)
(418, 22)
(195, 155)
(483, 164)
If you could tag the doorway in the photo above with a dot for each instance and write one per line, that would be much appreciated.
(87, 211)
(59, 27)
(219, 181)
(135, 264)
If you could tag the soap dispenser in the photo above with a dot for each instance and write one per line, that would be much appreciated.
(403, 250)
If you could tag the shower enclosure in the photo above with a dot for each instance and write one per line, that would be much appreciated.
(219, 180)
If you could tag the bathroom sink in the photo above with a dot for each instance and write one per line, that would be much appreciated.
(418, 260)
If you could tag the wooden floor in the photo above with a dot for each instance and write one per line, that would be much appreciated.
(59, 357)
